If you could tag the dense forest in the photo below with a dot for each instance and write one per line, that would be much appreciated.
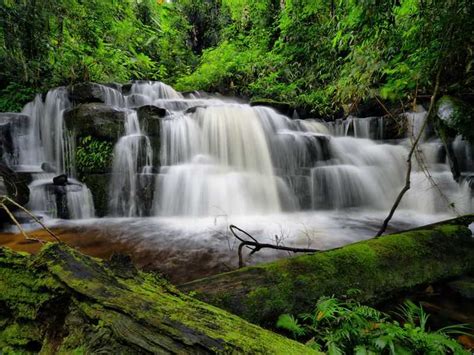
(324, 55)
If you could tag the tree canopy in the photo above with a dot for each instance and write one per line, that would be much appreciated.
(319, 54)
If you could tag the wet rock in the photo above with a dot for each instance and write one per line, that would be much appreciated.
(86, 92)
(60, 180)
(126, 88)
(137, 100)
(150, 117)
(11, 124)
(194, 109)
(99, 187)
(282, 107)
(96, 120)
(48, 168)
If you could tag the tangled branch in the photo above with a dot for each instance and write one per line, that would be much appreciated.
(255, 245)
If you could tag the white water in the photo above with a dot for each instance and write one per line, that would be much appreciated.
(44, 141)
(132, 157)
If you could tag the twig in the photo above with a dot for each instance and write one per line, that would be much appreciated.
(255, 246)
(3, 205)
(410, 155)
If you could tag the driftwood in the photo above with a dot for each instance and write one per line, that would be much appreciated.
(61, 301)
(379, 267)
(256, 246)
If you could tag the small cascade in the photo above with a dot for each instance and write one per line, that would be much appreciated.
(70, 200)
(133, 158)
(219, 162)
(43, 150)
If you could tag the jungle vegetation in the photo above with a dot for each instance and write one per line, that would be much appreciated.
(324, 55)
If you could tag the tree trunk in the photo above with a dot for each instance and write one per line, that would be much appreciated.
(62, 301)
(379, 268)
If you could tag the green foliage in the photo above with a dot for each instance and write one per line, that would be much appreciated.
(93, 156)
(14, 97)
(343, 327)
(325, 54)
(56, 42)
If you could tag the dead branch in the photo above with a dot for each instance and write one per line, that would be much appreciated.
(255, 246)
(4, 206)
(410, 155)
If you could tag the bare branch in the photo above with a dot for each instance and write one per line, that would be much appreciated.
(255, 246)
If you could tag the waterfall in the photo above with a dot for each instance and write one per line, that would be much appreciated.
(132, 157)
(214, 156)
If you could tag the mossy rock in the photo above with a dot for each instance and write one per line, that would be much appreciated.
(64, 302)
(378, 267)
(99, 185)
(97, 120)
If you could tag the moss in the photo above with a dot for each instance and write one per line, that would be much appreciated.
(123, 313)
(377, 267)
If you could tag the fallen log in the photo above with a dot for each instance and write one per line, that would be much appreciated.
(379, 268)
(61, 301)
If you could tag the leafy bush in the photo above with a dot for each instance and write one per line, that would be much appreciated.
(339, 327)
(93, 156)
(14, 97)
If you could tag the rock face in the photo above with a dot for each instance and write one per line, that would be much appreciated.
(86, 92)
(64, 302)
(96, 120)
(378, 267)
(150, 117)
(10, 124)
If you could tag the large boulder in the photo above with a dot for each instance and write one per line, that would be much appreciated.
(97, 120)
(88, 92)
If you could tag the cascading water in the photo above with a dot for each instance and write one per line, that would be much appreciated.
(215, 157)
(43, 146)
(132, 158)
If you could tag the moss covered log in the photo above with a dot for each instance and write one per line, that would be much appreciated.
(379, 268)
(61, 301)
